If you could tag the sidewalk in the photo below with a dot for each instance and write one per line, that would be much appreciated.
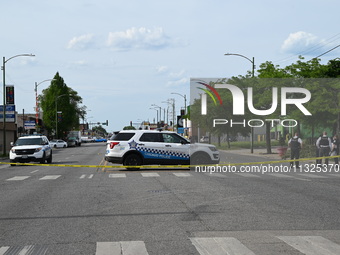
(257, 153)
(262, 153)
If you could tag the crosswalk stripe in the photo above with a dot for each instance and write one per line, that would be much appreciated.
(220, 245)
(335, 175)
(312, 245)
(312, 175)
(90, 176)
(217, 175)
(150, 174)
(182, 174)
(247, 175)
(3, 249)
(23, 250)
(82, 176)
(117, 175)
(50, 177)
(18, 178)
(121, 248)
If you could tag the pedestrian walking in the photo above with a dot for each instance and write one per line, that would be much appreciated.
(335, 149)
(295, 144)
(324, 144)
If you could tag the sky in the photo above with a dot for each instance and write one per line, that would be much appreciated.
(123, 56)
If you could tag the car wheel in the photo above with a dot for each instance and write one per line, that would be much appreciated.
(132, 160)
(43, 159)
(12, 164)
(200, 159)
(49, 160)
(64, 146)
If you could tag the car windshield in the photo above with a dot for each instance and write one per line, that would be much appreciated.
(29, 141)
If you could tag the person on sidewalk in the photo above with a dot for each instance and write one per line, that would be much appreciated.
(295, 144)
(335, 149)
(324, 144)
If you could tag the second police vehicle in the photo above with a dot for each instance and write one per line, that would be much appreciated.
(151, 147)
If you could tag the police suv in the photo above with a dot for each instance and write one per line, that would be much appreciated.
(151, 147)
(31, 148)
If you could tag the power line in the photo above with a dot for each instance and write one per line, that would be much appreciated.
(328, 51)
(313, 48)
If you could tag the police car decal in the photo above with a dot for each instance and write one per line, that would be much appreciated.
(133, 144)
(163, 154)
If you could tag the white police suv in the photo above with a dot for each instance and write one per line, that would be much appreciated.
(151, 147)
(31, 148)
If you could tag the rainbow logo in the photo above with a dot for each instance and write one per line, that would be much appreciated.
(209, 90)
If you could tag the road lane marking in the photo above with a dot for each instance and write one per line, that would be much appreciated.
(117, 175)
(312, 245)
(18, 178)
(220, 245)
(150, 174)
(3, 249)
(34, 171)
(182, 174)
(50, 177)
(247, 175)
(121, 248)
(312, 175)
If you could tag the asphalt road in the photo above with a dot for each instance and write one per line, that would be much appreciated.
(97, 210)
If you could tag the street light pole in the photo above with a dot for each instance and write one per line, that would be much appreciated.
(185, 101)
(4, 61)
(157, 112)
(160, 111)
(252, 61)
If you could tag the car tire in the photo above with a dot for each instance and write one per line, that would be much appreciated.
(49, 160)
(12, 162)
(43, 159)
(132, 160)
(200, 159)
(55, 146)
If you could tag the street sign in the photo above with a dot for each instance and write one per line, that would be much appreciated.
(29, 124)
(10, 113)
(10, 95)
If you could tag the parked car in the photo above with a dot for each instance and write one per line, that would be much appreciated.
(143, 147)
(100, 140)
(58, 143)
(71, 142)
(31, 148)
(204, 139)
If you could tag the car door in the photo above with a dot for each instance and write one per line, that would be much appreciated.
(177, 148)
(151, 147)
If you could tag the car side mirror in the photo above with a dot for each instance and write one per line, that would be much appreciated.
(12, 144)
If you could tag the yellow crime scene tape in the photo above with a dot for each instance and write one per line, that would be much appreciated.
(170, 166)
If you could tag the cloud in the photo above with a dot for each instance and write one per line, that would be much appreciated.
(81, 42)
(161, 69)
(179, 82)
(303, 43)
(139, 38)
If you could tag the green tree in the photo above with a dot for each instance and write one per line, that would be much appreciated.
(59, 97)
(99, 130)
(129, 128)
